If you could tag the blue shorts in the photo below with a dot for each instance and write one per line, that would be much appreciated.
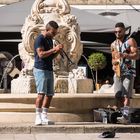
(44, 81)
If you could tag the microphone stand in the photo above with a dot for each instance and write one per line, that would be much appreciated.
(69, 60)
(63, 53)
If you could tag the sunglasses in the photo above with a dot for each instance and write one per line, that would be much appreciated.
(117, 32)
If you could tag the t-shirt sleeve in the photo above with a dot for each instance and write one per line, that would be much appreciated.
(38, 43)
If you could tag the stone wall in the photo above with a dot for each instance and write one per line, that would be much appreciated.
(83, 2)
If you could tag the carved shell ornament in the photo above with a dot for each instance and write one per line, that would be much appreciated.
(30, 37)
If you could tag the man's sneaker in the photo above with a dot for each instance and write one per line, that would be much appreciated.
(45, 119)
(38, 120)
(123, 120)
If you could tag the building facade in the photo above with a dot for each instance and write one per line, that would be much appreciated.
(87, 2)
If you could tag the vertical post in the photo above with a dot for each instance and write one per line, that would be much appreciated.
(5, 82)
(96, 76)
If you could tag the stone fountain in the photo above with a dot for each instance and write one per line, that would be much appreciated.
(68, 79)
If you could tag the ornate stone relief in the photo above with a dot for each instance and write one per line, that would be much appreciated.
(69, 33)
(42, 12)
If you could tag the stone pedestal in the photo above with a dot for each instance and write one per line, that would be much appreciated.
(71, 85)
(23, 85)
(80, 85)
(61, 85)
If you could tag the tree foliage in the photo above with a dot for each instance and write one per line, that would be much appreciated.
(97, 61)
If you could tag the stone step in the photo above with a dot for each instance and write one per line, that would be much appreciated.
(17, 98)
(29, 117)
(64, 107)
(16, 107)
(66, 127)
(17, 102)
(61, 102)
(71, 113)
(17, 117)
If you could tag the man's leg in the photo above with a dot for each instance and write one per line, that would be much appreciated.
(128, 84)
(47, 101)
(119, 102)
(45, 107)
(126, 101)
(49, 88)
(127, 91)
(118, 91)
(39, 101)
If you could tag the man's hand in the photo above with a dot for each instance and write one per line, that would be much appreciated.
(116, 67)
(58, 48)
(117, 55)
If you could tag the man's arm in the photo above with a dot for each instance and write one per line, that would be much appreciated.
(134, 52)
(114, 54)
(42, 53)
(115, 60)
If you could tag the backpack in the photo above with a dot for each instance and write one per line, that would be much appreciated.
(135, 115)
(111, 114)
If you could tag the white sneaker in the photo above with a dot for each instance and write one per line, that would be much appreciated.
(38, 120)
(45, 119)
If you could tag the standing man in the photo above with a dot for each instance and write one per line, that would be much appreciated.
(124, 53)
(43, 70)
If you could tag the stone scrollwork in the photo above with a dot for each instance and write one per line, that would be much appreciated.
(50, 6)
(69, 36)
(42, 12)
(69, 33)
(29, 32)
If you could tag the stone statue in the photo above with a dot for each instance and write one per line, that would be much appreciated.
(42, 12)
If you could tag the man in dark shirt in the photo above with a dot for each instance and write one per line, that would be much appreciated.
(43, 70)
